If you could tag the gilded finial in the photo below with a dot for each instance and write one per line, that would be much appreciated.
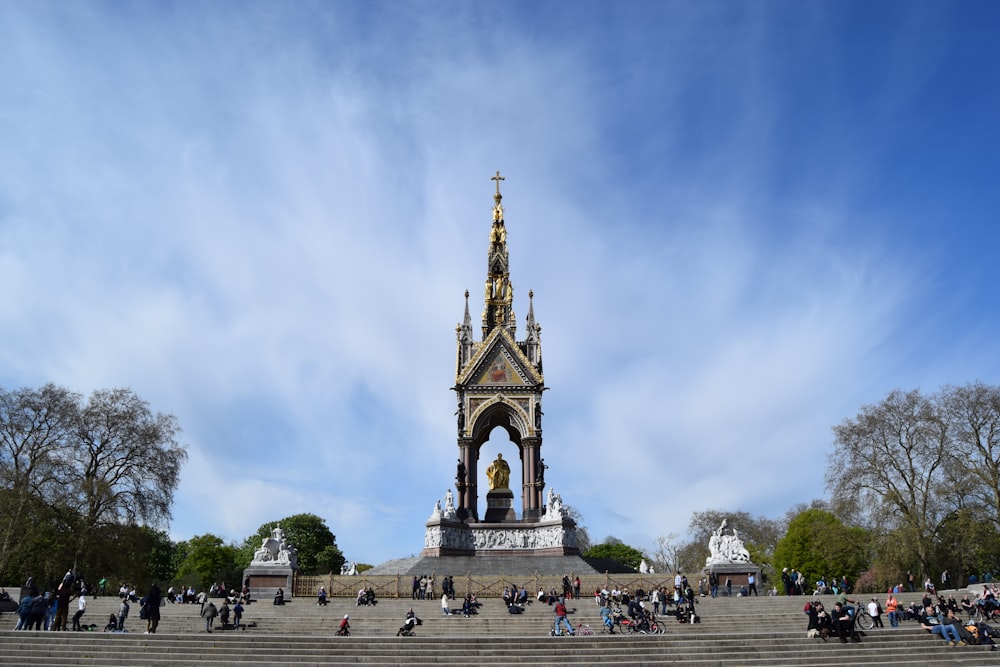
(498, 178)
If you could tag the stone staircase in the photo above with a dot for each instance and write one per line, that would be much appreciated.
(733, 631)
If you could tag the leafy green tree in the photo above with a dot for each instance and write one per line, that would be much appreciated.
(208, 560)
(616, 551)
(818, 544)
(137, 555)
(314, 543)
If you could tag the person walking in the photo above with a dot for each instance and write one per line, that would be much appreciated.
(237, 615)
(209, 612)
(152, 605)
(444, 605)
(81, 607)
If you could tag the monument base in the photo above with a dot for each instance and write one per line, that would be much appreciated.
(738, 574)
(500, 506)
(551, 537)
(265, 580)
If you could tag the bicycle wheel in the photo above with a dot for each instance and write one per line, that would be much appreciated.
(976, 614)
(864, 620)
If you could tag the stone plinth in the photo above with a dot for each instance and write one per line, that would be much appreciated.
(265, 580)
(738, 572)
(500, 506)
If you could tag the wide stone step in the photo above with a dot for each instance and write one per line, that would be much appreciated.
(734, 631)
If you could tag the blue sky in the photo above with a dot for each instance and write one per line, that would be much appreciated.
(741, 221)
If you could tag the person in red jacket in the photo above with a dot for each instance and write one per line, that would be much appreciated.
(561, 618)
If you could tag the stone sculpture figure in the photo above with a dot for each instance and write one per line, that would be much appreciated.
(554, 506)
(449, 505)
(726, 548)
(276, 550)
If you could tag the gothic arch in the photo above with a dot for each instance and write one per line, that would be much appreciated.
(499, 412)
(512, 418)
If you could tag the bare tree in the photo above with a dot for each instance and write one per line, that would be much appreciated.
(973, 416)
(666, 557)
(125, 464)
(34, 441)
(888, 468)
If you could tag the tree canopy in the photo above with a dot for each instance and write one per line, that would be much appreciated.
(75, 473)
(614, 549)
(818, 544)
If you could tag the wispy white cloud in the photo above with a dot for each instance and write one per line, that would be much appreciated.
(264, 220)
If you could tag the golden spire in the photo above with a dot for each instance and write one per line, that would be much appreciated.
(497, 208)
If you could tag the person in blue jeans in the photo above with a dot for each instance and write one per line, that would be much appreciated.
(609, 623)
(561, 618)
(946, 627)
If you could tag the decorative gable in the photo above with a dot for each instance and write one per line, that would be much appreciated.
(499, 363)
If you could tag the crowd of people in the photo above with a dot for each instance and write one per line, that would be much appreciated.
(941, 617)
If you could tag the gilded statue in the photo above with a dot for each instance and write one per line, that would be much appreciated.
(498, 473)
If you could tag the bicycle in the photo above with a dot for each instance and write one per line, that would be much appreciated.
(863, 619)
(583, 630)
(981, 612)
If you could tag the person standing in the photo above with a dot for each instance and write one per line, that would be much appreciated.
(122, 614)
(153, 598)
(875, 611)
(713, 584)
(786, 581)
(752, 584)
(910, 580)
(944, 580)
(63, 596)
(892, 609)
(729, 586)
(81, 607)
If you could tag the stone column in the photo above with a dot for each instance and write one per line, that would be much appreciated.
(467, 494)
(531, 491)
